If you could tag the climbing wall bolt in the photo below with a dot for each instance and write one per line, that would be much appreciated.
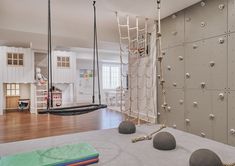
(168, 108)
(203, 24)
(173, 16)
(212, 63)
(221, 6)
(169, 68)
(221, 96)
(162, 81)
(195, 46)
(203, 85)
(187, 120)
(221, 40)
(174, 33)
(181, 101)
(158, 76)
(181, 58)
(188, 19)
(195, 104)
(187, 75)
(212, 116)
(203, 4)
(159, 34)
(232, 131)
(203, 134)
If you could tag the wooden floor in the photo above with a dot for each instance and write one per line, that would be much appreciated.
(17, 126)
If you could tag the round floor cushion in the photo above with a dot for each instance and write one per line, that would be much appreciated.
(126, 127)
(164, 141)
(204, 157)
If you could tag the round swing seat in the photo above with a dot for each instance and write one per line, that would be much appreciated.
(164, 141)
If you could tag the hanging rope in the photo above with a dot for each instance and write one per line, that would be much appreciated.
(49, 61)
(95, 59)
(160, 56)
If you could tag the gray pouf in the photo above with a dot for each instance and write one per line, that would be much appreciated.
(204, 157)
(164, 141)
(126, 127)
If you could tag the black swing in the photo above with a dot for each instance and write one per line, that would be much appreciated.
(73, 110)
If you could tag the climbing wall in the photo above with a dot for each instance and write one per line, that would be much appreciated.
(199, 70)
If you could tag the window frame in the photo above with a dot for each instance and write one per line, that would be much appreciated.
(15, 59)
(110, 66)
(63, 62)
(13, 87)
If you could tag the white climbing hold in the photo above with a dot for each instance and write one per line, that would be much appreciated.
(159, 76)
(181, 58)
(221, 40)
(203, 134)
(174, 84)
(168, 67)
(187, 75)
(212, 116)
(221, 6)
(173, 16)
(188, 19)
(181, 101)
(168, 108)
(203, 84)
(165, 104)
(158, 114)
(195, 104)
(187, 120)
(174, 126)
(203, 4)
(232, 131)
(174, 33)
(212, 63)
(195, 46)
(221, 96)
(203, 24)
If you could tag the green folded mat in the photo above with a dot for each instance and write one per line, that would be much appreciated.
(52, 156)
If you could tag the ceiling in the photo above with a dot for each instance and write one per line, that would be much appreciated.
(25, 21)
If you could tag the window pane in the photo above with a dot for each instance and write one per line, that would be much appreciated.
(67, 64)
(58, 64)
(21, 62)
(17, 86)
(115, 77)
(63, 64)
(17, 92)
(8, 86)
(15, 56)
(15, 62)
(106, 77)
(58, 58)
(9, 55)
(13, 86)
(67, 59)
(63, 59)
(8, 93)
(13, 92)
(9, 62)
(21, 56)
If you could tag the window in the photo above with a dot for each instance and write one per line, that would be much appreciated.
(63, 61)
(110, 76)
(13, 89)
(15, 59)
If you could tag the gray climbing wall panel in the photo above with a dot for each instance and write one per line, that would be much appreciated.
(205, 77)
(173, 25)
(205, 20)
(231, 118)
(231, 15)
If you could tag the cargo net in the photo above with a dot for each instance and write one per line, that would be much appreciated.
(134, 44)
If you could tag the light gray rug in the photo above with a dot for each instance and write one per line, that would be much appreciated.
(117, 150)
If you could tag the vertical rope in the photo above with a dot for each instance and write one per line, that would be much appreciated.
(94, 57)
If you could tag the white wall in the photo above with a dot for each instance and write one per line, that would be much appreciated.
(16, 74)
(64, 75)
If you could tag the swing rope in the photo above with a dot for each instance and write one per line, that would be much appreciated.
(95, 59)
